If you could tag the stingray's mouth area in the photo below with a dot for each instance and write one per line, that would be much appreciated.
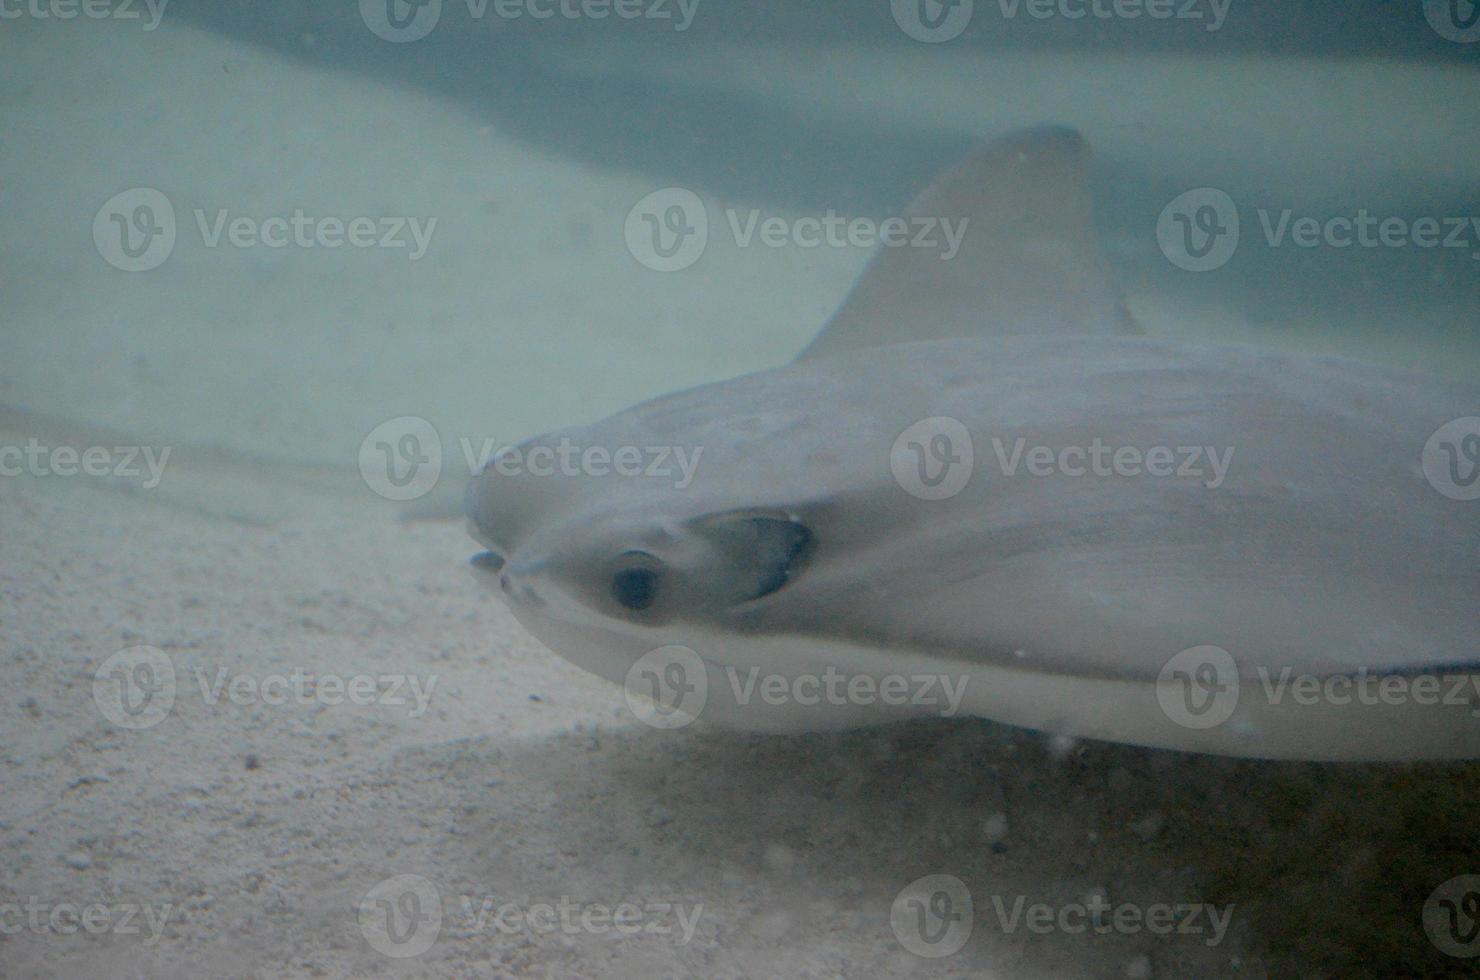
(487, 562)
(491, 567)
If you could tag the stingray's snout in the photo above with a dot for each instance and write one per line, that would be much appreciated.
(488, 566)
(477, 511)
(489, 562)
(504, 508)
(486, 505)
(513, 579)
(519, 589)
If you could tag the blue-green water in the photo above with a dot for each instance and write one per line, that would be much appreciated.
(282, 239)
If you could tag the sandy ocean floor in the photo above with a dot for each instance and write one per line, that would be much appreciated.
(248, 823)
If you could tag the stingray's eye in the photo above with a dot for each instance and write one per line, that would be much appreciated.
(635, 583)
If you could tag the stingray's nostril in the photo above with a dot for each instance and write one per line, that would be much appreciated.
(519, 592)
(488, 561)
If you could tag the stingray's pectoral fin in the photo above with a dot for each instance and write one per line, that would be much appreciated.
(755, 554)
(1004, 244)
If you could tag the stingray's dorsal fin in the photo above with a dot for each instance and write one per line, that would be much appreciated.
(1029, 261)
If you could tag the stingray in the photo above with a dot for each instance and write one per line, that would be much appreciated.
(982, 490)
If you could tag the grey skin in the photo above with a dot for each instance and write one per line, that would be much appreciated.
(1341, 588)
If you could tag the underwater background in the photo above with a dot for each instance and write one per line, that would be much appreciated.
(263, 235)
